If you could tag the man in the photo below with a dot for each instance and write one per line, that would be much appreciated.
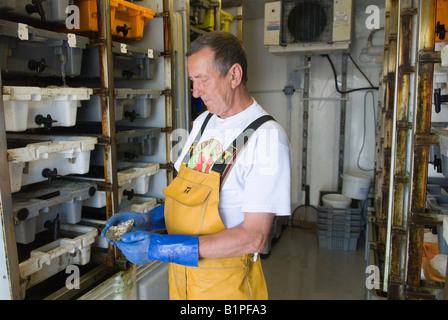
(219, 209)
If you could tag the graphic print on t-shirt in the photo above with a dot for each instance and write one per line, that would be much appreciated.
(204, 155)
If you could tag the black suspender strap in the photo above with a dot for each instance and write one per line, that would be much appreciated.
(198, 137)
(223, 165)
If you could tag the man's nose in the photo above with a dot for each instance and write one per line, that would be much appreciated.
(196, 91)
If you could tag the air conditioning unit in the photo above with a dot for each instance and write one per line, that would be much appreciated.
(308, 26)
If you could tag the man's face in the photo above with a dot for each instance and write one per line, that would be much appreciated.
(215, 91)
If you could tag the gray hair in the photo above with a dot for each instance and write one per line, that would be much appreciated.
(227, 48)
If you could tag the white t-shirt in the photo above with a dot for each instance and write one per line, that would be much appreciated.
(260, 179)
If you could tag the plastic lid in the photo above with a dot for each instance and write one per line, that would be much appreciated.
(355, 176)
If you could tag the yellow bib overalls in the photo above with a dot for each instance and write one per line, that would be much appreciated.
(191, 208)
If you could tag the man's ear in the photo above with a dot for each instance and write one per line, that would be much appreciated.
(236, 73)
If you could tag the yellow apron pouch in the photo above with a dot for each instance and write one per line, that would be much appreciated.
(191, 197)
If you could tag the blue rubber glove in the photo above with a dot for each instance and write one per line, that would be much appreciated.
(156, 219)
(150, 221)
(140, 247)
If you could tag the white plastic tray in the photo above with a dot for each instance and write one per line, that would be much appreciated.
(143, 204)
(36, 153)
(100, 242)
(53, 10)
(57, 255)
(23, 106)
(139, 204)
(133, 180)
(25, 50)
(132, 143)
(130, 104)
(141, 103)
(130, 62)
(44, 202)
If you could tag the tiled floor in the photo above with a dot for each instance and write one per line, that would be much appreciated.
(297, 269)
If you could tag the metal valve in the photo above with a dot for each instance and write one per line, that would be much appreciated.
(131, 115)
(36, 7)
(54, 226)
(22, 214)
(440, 30)
(51, 175)
(46, 121)
(127, 74)
(130, 155)
(439, 99)
(38, 66)
(92, 191)
(129, 194)
(124, 29)
(437, 162)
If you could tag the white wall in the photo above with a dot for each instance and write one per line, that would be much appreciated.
(269, 74)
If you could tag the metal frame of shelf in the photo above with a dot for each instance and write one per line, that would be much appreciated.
(403, 140)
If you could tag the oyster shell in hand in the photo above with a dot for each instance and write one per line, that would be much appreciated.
(115, 233)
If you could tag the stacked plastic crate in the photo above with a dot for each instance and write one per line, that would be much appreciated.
(437, 201)
(340, 228)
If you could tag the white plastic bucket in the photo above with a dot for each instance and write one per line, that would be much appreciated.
(355, 185)
(336, 200)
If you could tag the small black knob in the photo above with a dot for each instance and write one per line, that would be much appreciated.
(38, 66)
(129, 194)
(440, 30)
(439, 99)
(127, 74)
(132, 115)
(124, 29)
(36, 7)
(22, 214)
(130, 155)
(92, 191)
(54, 226)
(46, 121)
(51, 175)
(437, 164)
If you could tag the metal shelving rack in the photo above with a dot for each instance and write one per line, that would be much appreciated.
(10, 281)
(104, 42)
(403, 140)
(10, 287)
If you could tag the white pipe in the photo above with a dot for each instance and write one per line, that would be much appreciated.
(390, 208)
